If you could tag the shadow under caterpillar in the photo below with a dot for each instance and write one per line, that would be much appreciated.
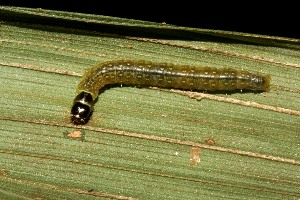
(163, 75)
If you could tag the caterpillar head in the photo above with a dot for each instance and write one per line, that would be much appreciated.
(82, 108)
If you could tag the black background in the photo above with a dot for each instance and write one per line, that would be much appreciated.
(275, 18)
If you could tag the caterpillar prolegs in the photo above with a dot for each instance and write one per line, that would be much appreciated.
(164, 75)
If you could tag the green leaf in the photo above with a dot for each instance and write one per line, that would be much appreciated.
(143, 143)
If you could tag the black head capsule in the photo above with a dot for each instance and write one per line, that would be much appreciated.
(82, 108)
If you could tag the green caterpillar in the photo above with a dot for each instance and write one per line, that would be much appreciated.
(164, 75)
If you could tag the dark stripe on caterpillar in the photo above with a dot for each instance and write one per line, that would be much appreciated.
(164, 75)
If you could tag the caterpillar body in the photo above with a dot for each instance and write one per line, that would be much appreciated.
(164, 75)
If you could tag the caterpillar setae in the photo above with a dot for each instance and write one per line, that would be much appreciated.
(164, 75)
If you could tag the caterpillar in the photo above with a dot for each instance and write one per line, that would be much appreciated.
(164, 75)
